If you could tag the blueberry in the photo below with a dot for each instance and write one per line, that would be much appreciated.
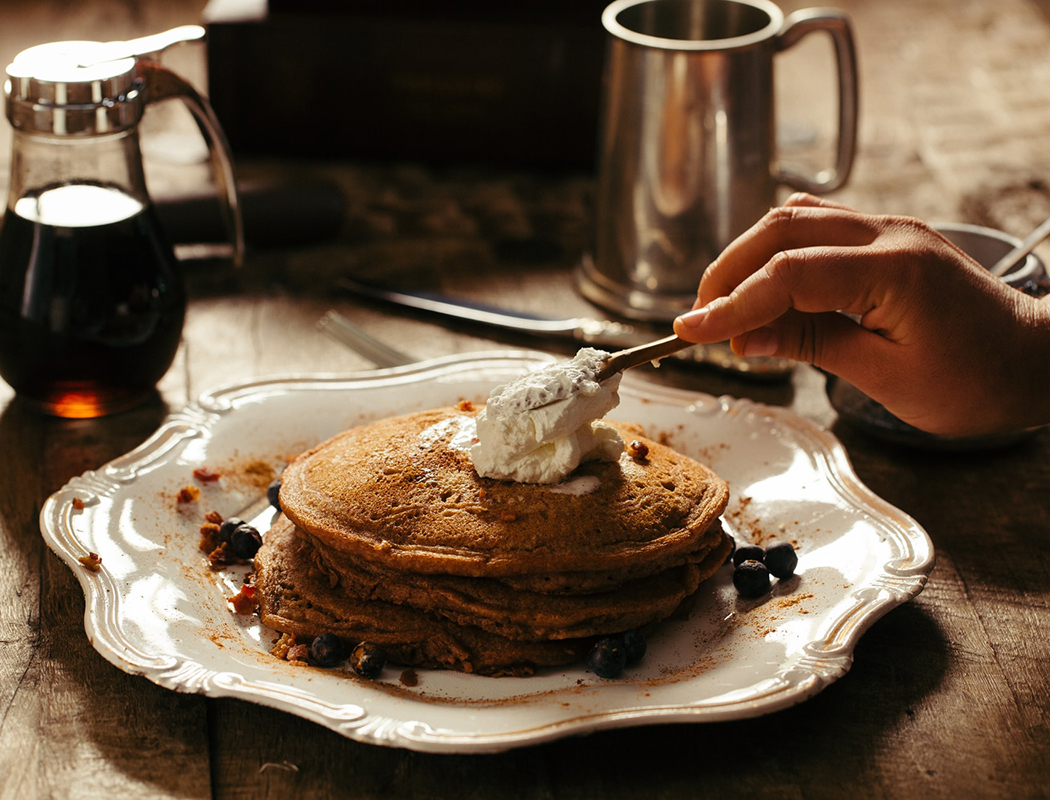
(748, 552)
(228, 527)
(327, 650)
(245, 541)
(608, 657)
(751, 578)
(781, 559)
(634, 645)
(367, 660)
(273, 494)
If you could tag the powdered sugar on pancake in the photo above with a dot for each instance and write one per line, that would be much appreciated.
(460, 430)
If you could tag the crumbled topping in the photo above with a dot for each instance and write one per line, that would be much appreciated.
(638, 450)
(283, 645)
(206, 474)
(245, 601)
(221, 556)
(210, 538)
(92, 561)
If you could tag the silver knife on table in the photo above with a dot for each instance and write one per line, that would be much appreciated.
(584, 331)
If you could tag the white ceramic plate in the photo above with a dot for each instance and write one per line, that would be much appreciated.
(155, 609)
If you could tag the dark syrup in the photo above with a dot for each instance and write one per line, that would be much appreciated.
(90, 314)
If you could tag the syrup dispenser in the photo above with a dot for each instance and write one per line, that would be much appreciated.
(91, 297)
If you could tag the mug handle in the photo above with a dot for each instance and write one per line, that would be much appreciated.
(837, 25)
(161, 83)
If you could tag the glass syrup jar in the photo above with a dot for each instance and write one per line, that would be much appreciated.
(92, 301)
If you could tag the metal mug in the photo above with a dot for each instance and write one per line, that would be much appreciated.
(688, 144)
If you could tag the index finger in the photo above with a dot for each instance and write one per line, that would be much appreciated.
(785, 228)
(810, 280)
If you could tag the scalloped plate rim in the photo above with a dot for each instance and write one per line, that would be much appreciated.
(207, 411)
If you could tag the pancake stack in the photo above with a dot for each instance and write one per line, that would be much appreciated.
(388, 535)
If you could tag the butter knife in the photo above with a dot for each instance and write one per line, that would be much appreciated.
(583, 331)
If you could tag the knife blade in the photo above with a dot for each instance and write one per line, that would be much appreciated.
(588, 331)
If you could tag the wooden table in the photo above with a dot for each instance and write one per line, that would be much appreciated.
(948, 694)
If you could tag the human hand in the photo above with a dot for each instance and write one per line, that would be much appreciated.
(933, 336)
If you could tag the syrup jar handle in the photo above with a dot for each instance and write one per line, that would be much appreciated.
(161, 83)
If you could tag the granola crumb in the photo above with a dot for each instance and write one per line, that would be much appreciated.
(465, 405)
(283, 645)
(188, 494)
(221, 557)
(206, 474)
(298, 654)
(213, 516)
(92, 561)
(77, 504)
(209, 537)
(245, 601)
(638, 450)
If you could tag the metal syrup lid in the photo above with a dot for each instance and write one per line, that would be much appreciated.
(79, 88)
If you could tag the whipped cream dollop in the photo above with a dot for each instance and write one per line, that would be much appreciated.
(540, 427)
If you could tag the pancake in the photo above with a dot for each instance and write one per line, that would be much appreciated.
(495, 606)
(389, 535)
(402, 492)
(580, 582)
(295, 597)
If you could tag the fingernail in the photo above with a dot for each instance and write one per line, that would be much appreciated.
(761, 342)
(692, 319)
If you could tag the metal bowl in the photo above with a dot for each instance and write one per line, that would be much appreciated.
(987, 245)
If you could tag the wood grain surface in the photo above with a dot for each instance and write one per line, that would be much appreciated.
(948, 695)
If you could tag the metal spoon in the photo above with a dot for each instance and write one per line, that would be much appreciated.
(636, 356)
(615, 362)
(1007, 262)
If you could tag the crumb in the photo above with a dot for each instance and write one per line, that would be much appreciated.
(209, 537)
(638, 450)
(794, 599)
(245, 601)
(409, 678)
(283, 645)
(260, 473)
(92, 561)
(298, 654)
(221, 557)
(465, 405)
(188, 494)
(206, 474)
(214, 516)
(77, 504)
